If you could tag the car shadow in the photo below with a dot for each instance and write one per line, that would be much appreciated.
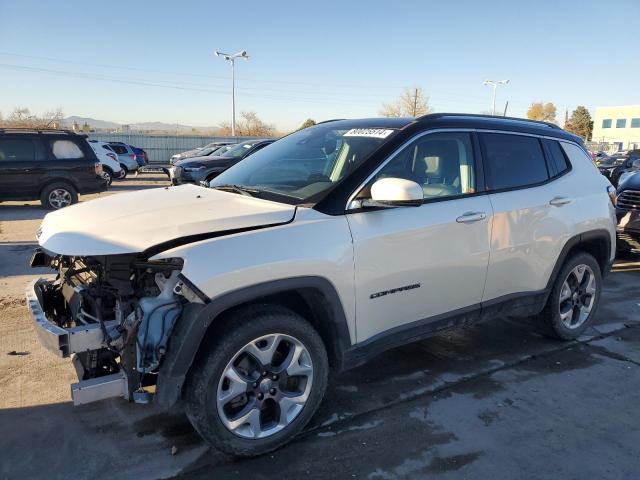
(21, 212)
(15, 257)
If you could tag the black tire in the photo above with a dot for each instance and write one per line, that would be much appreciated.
(125, 170)
(108, 175)
(239, 329)
(549, 320)
(67, 190)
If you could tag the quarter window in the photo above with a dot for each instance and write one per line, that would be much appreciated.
(442, 163)
(513, 161)
(119, 149)
(17, 149)
(621, 123)
(558, 159)
(66, 149)
(606, 123)
(635, 123)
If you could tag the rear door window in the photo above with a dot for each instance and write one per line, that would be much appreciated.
(17, 149)
(66, 149)
(513, 161)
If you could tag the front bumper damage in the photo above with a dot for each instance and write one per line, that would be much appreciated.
(64, 342)
(112, 316)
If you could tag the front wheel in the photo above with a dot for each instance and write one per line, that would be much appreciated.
(260, 383)
(574, 298)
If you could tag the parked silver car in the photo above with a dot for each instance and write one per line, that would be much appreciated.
(126, 156)
(198, 152)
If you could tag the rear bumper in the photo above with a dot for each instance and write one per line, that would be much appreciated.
(97, 186)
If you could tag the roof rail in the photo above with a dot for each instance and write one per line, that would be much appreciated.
(36, 130)
(433, 116)
(332, 120)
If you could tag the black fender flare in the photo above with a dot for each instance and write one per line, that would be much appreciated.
(191, 328)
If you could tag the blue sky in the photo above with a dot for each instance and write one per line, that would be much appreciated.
(140, 61)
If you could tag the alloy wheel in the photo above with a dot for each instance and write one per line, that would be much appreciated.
(59, 198)
(577, 296)
(265, 386)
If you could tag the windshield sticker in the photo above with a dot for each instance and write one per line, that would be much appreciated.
(368, 132)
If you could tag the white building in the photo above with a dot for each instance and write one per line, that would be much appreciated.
(617, 125)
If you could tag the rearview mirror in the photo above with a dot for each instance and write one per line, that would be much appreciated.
(395, 192)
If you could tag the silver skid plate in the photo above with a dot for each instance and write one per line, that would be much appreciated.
(94, 389)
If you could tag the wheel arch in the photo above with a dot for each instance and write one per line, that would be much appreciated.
(314, 298)
(51, 180)
(594, 242)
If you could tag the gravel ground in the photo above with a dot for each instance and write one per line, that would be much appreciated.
(494, 400)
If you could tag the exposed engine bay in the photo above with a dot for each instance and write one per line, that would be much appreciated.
(130, 304)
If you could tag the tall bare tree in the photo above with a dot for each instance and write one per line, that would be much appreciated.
(249, 125)
(22, 117)
(412, 103)
(542, 111)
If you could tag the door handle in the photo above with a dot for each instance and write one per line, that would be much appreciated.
(470, 217)
(559, 201)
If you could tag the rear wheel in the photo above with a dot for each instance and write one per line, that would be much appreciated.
(108, 176)
(574, 298)
(125, 170)
(58, 195)
(260, 383)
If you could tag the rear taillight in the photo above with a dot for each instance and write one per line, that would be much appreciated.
(132, 156)
(112, 156)
(612, 195)
(98, 168)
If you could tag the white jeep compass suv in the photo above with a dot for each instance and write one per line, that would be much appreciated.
(318, 252)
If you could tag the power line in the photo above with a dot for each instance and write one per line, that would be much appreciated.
(443, 96)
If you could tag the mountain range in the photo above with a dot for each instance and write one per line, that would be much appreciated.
(97, 124)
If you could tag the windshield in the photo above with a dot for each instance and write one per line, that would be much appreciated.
(208, 150)
(236, 151)
(304, 166)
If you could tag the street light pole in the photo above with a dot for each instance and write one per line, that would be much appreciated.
(494, 84)
(231, 58)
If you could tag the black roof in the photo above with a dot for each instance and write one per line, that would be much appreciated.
(460, 120)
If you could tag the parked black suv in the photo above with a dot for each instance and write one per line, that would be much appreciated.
(51, 165)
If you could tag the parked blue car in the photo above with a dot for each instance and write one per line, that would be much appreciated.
(141, 156)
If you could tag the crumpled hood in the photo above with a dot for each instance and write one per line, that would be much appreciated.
(133, 222)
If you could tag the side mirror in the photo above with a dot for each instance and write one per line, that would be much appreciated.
(636, 164)
(395, 192)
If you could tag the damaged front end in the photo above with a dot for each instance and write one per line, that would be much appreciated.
(114, 314)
